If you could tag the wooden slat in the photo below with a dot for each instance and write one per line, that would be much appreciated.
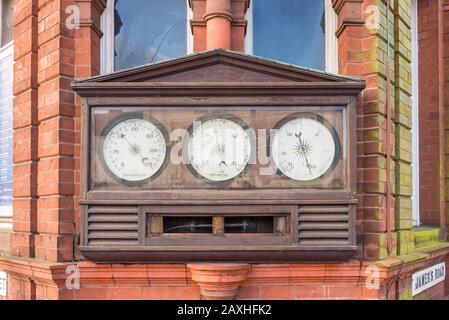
(103, 217)
(323, 226)
(323, 209)
(113, 226)
(115, 209)
(95, 242)
(322, 242)
(112, 235)
(323, 234)
(323, 217)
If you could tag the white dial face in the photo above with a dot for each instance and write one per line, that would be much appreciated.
(219, 149)
(303, 149)
(134, 150)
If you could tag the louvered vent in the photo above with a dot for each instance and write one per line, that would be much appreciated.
(108, 226)
(323, 225)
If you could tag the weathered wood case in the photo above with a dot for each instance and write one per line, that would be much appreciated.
(312, 220)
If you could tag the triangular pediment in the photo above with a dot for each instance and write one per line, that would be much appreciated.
(218, 66)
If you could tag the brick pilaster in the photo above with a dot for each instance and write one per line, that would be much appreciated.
(56, 133)
(25, 126)
(362, 36)
(403, 125)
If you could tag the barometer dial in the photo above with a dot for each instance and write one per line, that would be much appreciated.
(134, 150)
(304, 147)
(219, 149)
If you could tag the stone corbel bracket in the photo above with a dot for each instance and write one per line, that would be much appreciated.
(218, 281)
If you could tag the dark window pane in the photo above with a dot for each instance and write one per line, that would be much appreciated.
(149, 31)
(187, 224)
(291, 31)
(7, 23)
(249, 224)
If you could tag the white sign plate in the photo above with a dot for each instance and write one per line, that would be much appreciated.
(3, 283)
(427, 278)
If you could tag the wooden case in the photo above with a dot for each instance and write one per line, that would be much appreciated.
(311, 220)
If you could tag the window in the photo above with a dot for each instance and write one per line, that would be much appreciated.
(296, 32)
(415, 114)
(140, 32)
(7, 23)
(6, 95)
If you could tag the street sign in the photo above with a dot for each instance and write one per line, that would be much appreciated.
(427, 278)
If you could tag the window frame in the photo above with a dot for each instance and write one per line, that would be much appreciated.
(107, 40)
(1, 22)
(415, 115)
(1, 31)
(330, 38)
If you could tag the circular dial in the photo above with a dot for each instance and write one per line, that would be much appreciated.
(304, 147)
(134, 150)
(219, 149)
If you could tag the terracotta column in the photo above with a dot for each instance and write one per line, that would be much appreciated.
(218, 281)
(218, 24)
(218, 19)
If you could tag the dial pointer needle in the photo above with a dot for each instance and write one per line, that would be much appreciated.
(301, 145)
(307, 163)
(145, 161)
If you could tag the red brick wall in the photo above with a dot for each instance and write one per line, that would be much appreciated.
(429, 116)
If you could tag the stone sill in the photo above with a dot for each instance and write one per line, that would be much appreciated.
(420, 254)
(427, 236)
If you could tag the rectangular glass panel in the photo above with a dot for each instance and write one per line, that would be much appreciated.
(249, 224)
(149, 31)
(290, 31)
(126, 155)
(187, 224)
